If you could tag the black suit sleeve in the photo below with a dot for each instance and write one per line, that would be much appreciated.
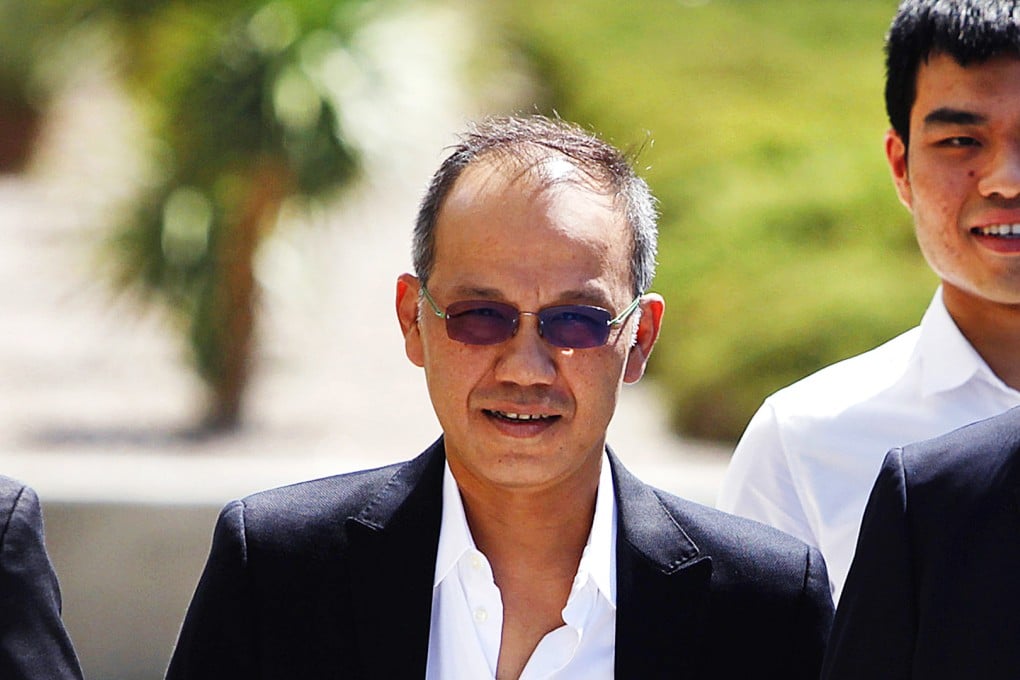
(217, 640)
(33, 642)
(874, 631)
(812, 630)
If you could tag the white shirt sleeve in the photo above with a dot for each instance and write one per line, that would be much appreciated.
(759, 484)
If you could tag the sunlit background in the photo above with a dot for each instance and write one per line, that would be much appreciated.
(205, 206)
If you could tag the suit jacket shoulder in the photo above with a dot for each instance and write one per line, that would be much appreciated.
(967, 462)
(33, 642)
(322, 579)
(304, 514)
(932, 591)
(744, 550)
(695, 584)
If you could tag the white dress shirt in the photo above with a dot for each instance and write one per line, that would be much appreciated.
(467, 610)
(810, 455)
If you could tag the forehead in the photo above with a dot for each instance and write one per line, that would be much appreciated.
(541, 219)
(992, 84)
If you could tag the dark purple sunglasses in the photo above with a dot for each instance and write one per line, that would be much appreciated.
(483, 322)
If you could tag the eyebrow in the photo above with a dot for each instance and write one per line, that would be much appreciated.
(949, 116)
(578, 296)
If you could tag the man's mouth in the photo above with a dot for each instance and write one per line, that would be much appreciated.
(520, 417)
(998, 230)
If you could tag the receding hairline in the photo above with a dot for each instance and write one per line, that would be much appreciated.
(488, 175)
(543, 172)
(547, 165)
(595, 166)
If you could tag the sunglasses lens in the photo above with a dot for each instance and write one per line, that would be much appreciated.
(575, 326)
(480, 323)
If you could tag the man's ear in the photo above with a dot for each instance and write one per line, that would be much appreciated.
(407, 314)
(652, 308)
(896, 154)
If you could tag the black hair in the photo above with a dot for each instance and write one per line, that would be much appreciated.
(969, 31)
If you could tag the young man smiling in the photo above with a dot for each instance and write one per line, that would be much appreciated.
(516, 546)
(809, 457)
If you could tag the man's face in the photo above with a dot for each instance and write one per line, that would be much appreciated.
(524, 414)
(961, 177)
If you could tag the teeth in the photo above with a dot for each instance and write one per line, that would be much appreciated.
(520, 416)
(1000, 230)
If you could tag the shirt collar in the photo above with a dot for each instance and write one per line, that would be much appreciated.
(947, 359)
(598, 561)
(454, 535)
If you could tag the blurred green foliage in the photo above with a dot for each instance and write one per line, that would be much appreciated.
(783, 247)
(242, 97)
(241, 100)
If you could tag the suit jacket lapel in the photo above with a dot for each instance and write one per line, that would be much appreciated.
(662, 586)
(393, 553)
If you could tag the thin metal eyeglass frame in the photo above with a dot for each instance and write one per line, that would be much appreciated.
(615, 321)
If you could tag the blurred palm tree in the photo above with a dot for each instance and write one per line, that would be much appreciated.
(242, 100)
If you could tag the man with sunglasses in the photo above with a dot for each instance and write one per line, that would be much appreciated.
(516, 546)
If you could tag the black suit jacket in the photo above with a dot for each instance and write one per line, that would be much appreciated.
(934, 588)
(33, 642)
(333, 579)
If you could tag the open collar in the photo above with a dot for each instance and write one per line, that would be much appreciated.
(598, 561)
(662, 577)
(946, 359)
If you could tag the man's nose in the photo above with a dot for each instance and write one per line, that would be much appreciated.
(526, 358)
(1002, 177)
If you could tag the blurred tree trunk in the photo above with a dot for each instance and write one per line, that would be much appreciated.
(234, 296)
(19, 129)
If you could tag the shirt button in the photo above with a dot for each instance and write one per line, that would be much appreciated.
(481, 616)
(476, 562)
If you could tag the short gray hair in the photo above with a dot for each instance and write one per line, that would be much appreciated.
(520, 138)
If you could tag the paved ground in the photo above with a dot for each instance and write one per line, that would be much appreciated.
(94, 395)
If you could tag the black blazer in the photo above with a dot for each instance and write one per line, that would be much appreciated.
(33, 642)
(333, 579)
(934, 588)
